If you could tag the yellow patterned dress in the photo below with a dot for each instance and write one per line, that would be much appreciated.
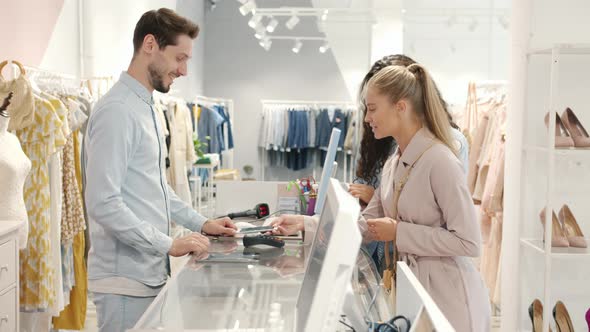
(39, 141)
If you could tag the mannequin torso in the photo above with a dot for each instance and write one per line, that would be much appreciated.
(14, 168)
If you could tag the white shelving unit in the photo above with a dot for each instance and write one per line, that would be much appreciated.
(547, 177)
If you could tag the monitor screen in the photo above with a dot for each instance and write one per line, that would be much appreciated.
(328, 170)
(331, 261)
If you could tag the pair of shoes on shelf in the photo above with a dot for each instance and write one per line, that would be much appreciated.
(563, 322)
(565, 230)
(569, 131)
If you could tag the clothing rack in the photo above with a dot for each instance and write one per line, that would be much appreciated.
(49, 73)
(228, 154)
(347, 172)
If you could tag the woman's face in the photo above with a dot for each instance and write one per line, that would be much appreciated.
(382, 115)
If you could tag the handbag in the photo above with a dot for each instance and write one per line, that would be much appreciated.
(390, 271)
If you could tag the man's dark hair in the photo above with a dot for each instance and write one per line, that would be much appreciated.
(165, 25)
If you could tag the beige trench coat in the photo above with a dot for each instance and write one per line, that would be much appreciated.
(437, 232)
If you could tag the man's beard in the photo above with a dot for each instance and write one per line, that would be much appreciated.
(157, 79)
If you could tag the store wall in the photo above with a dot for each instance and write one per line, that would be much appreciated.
(43, 36)
(63, 50)
(49, 36)
(237, 67)
(193, 83)
(438, 34)
(108, 38)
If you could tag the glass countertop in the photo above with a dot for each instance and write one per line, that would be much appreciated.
(238, 288)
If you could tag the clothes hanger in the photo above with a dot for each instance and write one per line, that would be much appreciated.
(18, 64)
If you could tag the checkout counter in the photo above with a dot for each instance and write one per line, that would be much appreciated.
(240, 289)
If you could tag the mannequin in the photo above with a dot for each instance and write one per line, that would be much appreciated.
(14, 168)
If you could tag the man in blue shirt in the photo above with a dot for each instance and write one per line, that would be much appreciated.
(129, 203)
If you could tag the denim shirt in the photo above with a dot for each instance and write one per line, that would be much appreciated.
(128, 200)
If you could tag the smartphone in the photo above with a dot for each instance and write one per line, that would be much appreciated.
(251, 230)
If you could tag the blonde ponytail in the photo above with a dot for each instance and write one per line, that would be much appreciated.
(435, 116)
(415, 84)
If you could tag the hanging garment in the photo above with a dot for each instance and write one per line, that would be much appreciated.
(475, 151)
(39, 141)
(350, 131)
(194, 117)
(74, 315)
(489, 145)
(72, 221)
(490, 258)
(209, 123)
(21, 108)
(182, 152)
(324, 127)
(297, 134)
(226, 122)
(56, 197)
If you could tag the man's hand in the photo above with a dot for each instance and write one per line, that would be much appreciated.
(222, 226)
(194, 242)
(288, 224)
(382, 229)
(361, 191)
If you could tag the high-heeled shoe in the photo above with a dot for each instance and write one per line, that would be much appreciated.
(577, 131)
(562, 318)
(536, 314)
(572, 230)
(558, 238)
(562, 136)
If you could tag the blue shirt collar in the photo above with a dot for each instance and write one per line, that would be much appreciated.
(138, 88)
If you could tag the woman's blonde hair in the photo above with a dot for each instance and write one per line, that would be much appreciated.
(415, 84)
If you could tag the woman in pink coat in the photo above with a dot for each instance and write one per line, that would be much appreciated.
(435, 229)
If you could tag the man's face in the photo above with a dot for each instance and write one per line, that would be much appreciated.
(169, 63)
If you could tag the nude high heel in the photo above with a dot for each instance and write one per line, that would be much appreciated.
(572, 230)
(562, 318)
(536, 314)
(577, 131)
(558, 238)
(562, 136)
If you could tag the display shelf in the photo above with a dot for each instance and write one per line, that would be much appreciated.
(566, 152)
(542, 171)
(569, 49)
(538, 247)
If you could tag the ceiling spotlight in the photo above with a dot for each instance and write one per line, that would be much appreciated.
(266, 43)
(325, 15)
(249, 6)
(272, 25)
(254, 21)
(292, 22)
(260, 32)
(324, 47)
(472, 26)
(297, 47)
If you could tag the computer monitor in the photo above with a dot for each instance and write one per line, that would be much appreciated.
(331, 262)
(328, 170)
